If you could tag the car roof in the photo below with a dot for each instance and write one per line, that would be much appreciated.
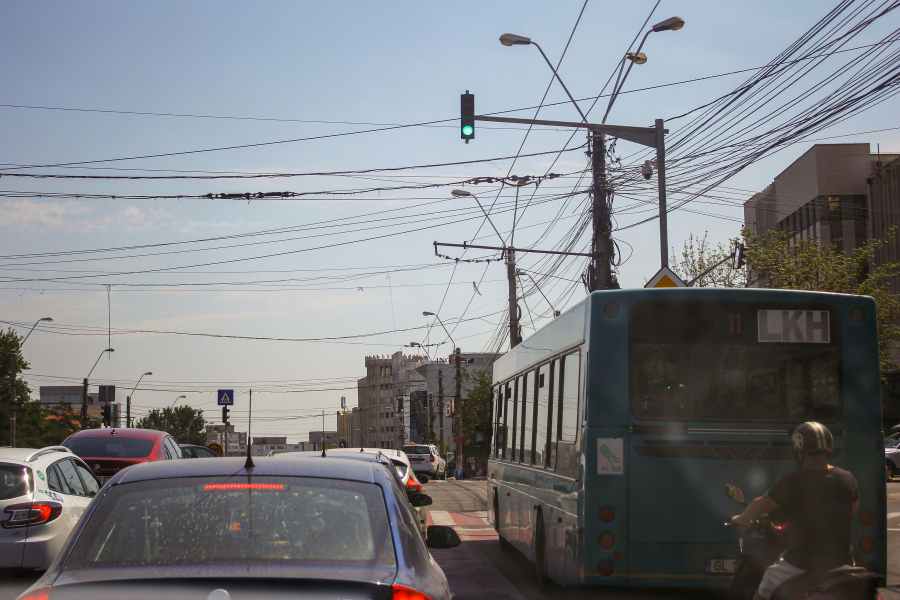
(23, 454)
(301, 466)
(339, 453)
(125, 432)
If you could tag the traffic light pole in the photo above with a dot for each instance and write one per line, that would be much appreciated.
(460, 461)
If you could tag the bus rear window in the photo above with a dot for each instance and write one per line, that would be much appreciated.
(735, 362)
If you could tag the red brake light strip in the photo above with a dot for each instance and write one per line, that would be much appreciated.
(243, 486)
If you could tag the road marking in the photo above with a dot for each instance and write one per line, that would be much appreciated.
(441, 517)
(893, 515)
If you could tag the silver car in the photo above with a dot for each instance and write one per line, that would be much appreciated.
(427, 460)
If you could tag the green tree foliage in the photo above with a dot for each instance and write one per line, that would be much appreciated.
(184, 423)
(476, 410)
(779, 260)
(18, 392)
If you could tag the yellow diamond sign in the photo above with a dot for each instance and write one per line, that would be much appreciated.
(665, 278)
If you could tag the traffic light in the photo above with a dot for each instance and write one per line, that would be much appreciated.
(467, 116)
(106, 411)
(225, 414)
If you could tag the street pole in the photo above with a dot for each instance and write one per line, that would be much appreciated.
(127, 411)
(441, 405)
(84, 401)
(13, 366)
(460, 463)
(429, 431)
(661, 182)
(600, 274)
(514, 333)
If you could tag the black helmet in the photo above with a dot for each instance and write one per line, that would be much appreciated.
(812, 439)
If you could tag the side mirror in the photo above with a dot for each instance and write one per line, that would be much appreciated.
(440, 537)
(423, 479)
(735, 493)
(418, 500)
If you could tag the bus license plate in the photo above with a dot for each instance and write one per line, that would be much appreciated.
(716, 566)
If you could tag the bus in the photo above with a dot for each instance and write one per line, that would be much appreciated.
(617, 426)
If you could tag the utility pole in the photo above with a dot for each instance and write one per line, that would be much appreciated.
(84, 403)
(600, 275)
(429, 431)
(441, 412)
(460, 463)
(127, 411)
(515, 336)
(13, 366)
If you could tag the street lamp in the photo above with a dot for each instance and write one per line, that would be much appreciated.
(511, 39)
(13, 368)
(431, 314)
(84, 391)
(638, 57)
(128, 400)
(166, 415)
(465, 194)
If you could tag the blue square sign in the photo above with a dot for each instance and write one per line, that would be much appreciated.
(226, 397)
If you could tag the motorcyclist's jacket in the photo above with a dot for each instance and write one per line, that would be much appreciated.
(819, 507)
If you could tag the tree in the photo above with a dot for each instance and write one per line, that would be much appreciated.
(476, 410)
(780, 260)
(184, 423)
(11, 345)
(698, 255)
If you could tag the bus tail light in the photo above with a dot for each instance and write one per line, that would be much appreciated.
(607, 541)
(867, 545)
(606, 568)
(402, 592)
(607, 514)
(867, 517)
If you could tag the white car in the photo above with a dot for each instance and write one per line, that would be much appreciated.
(42, 495)
(426, 459)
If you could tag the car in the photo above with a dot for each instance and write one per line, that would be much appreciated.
(398, 461)
(425, 458)
(892, 458)
(277, 527)
(43, 492)
(108, 451)
(194, 451)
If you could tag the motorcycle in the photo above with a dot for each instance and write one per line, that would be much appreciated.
(762, 544)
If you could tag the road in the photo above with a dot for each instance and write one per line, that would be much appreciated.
(479, 569)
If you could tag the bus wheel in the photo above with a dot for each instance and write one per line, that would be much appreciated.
(496, 513)
(540, 555)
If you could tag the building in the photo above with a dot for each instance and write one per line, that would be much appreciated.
(236, 440)
(349, 427)
(265, 446)
(884, 202)
(317, 438)
(54, 395)
(823, 194)
(383, 400)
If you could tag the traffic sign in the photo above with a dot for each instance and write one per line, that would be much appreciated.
(457, 440)
(665, 278)
(216, 448)
(226, 397)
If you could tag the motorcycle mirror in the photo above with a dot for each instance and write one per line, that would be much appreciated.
(735, 493)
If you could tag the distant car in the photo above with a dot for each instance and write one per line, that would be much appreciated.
(290, 526)
(425, 458)
(108, 451)
(193, 451)
(42, 495)
(892, 458)
(398, 460)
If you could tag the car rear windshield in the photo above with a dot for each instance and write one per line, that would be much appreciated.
(15, 481)
(735, 362)
(111, 447)
(204, 520)
(417, 449)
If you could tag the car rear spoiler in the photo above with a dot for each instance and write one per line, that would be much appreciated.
(46, 450)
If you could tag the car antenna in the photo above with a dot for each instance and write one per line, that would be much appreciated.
(323, 434)
(249, 464)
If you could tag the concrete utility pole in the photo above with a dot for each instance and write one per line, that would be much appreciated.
(600, 273)
(515, 335)
(84, 403)
(441, 412)
(460, 463)
(13, 367)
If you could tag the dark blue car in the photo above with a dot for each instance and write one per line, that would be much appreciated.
(309, 527)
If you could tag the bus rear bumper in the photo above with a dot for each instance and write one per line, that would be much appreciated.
(667, 565)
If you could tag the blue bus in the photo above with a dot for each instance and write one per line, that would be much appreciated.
(617, 426)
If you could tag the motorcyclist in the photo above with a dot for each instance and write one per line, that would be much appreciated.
(819, 501)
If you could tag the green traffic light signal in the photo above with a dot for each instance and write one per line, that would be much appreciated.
(467, 116)
(468, 130)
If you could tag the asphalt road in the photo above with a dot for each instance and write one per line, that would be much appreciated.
(479, 569)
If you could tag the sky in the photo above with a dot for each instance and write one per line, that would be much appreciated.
(308, 273)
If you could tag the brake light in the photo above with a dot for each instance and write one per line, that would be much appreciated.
(402, 592)
(413, 486)
(866, 517)
(867, 545)
(42, 593)
(432, 458)
(243, 486)
(607, 514)
(779, 527)
(31, 514)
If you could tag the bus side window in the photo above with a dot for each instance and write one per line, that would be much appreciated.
(527, 400)
(516, 415)
(551, 414)
(540, 422)
(507, 419)
(498, 414)
(568, 426)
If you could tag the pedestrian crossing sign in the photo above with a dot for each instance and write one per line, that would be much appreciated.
(226, 397)
(665, 278)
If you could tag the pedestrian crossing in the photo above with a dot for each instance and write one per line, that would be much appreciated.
(464, 520)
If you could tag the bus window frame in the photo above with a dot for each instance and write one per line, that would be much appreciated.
(524, 396)
(515, 398)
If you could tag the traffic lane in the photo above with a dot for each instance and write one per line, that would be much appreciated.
(892, 592)
(13, 583)
(460, 496)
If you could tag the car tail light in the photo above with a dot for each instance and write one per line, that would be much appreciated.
(413, 486)
(31, 514)
(243, 486)
(402, 592)
(432, 458)
(42, 593)
(867, 517)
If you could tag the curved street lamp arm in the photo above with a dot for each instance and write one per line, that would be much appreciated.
(445, 331)
(95, 364)
(619, 84)
(555, 74)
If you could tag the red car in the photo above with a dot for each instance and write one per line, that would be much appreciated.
(108, 451)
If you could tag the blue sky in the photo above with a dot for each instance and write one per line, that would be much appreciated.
(385, 63)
